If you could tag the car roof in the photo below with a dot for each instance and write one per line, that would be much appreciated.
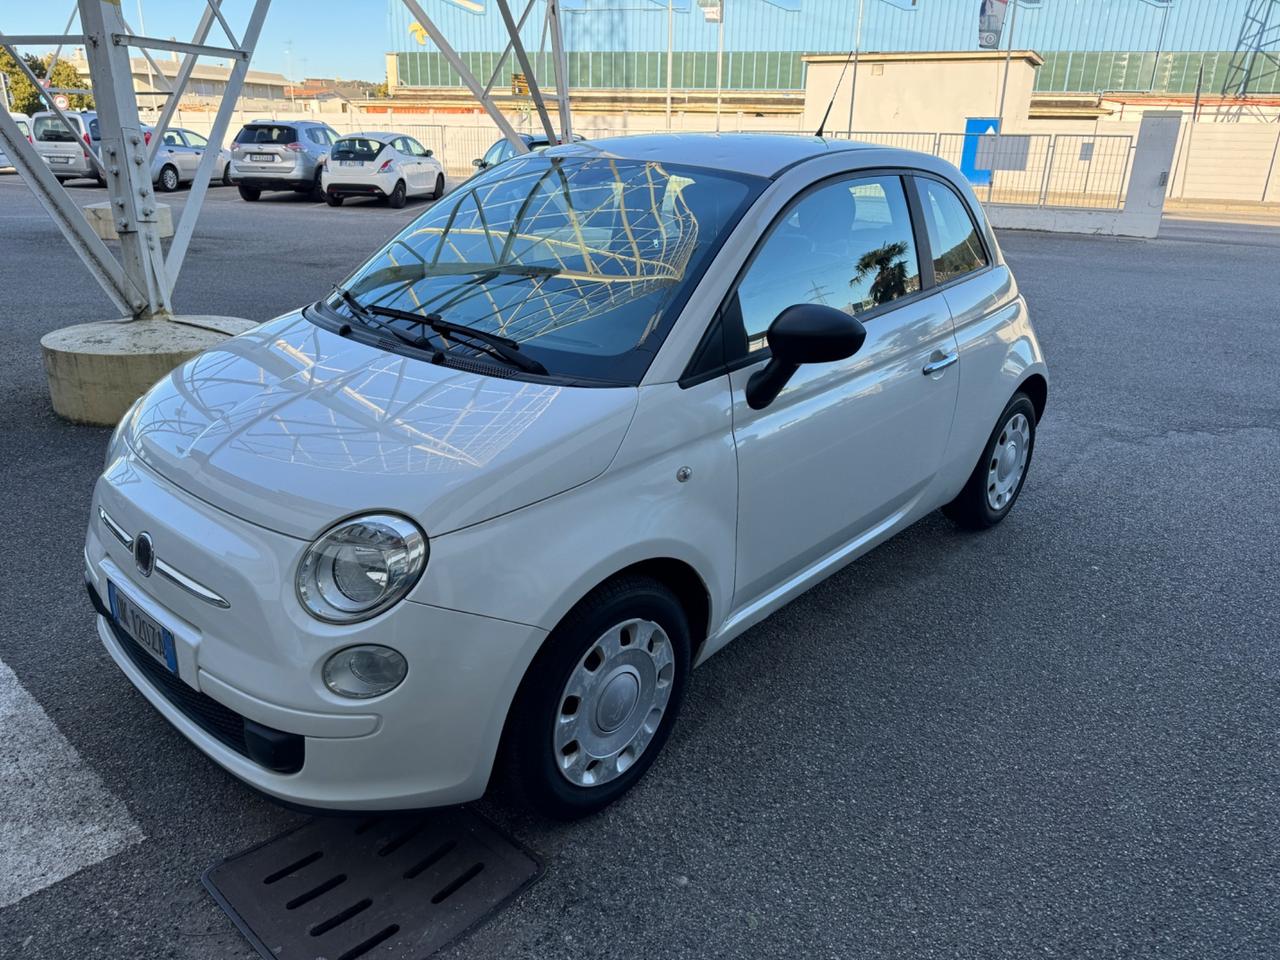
(761, 154)
(375, 134)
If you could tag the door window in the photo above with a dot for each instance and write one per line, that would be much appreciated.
(497, 153)
(173, 139)
(194, 139)
(415, 147)
(953, 238)
(847, 245)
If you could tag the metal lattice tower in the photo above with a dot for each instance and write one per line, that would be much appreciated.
(1257, 54)
(140, 282)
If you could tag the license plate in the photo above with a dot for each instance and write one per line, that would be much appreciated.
(59, 159)
(152, 637)
(261, 157)
(351, 163)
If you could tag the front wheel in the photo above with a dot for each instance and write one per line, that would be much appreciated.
(438, 192)
(599, 700)
(398, 196)
(996, 481)
(333, 200)
(249, 193)
(226, 175)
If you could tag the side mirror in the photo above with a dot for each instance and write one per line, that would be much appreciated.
(429, 153)
(478, 164)
(803, 333)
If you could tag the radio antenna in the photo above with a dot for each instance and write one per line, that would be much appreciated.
(831, 102)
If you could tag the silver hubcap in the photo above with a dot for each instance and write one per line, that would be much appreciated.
(613, 702)
(1008, 461)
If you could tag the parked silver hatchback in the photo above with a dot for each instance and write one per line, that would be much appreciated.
(267, 155)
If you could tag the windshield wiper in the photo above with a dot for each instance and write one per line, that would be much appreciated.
(363, 314)
(493, 344)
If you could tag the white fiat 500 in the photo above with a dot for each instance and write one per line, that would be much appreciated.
(389, 166)
(580, 424)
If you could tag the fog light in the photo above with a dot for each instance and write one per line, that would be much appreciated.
(364, 671)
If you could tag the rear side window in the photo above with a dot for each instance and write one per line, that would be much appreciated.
(953, 237)
(24, 127)
(94, 132)
(318, 135)
(52, 130)
(355, 148)
(267, 133)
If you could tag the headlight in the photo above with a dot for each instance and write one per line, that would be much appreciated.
(116, 443)
(361, 567)
(364, 671)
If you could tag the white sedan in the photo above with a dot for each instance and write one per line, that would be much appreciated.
(389, 166)
(574, 429)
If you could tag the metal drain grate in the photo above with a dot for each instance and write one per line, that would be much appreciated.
(373, 888)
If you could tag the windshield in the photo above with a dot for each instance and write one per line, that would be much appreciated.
(584, 262)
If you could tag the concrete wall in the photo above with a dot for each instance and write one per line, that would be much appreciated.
(919, 91)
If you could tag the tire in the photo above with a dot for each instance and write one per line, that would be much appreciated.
(317, 190)
(997, 479)
(249, 193)
(438, 192)
(99, 179)
(226, 175)
(333, 200)
(546, 761)
(398, 196)
(168, 181)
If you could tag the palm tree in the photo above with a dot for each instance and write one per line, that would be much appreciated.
(890, 267)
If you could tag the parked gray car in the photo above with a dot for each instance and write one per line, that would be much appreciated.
(179, 156)
(285, 155)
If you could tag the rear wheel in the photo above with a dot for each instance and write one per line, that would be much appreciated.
(398, 196)
(249, 193)
(168, 180)
(333, 200)
(226, 175)
(996, 481)
(438, 192)
(599, 700)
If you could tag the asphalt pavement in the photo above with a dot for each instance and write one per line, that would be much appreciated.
(1054, 739)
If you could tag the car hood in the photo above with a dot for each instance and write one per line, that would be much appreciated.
(292, 427)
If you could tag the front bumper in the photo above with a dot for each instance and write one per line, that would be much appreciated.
(248, 691)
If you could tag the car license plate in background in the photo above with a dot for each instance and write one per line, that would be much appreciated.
(261, 157)
(59, 159)
(351, 163)
(152, 637)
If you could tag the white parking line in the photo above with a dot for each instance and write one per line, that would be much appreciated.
(56, 816)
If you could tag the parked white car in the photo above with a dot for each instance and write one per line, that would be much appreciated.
(382, 164)
(575, 428)
(24, 126)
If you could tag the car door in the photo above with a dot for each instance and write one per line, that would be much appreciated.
(196, 146)
(174, 150)
(847, 448)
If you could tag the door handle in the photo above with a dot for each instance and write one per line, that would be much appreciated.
(933, 366)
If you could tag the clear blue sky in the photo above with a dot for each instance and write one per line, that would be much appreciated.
(345, 38)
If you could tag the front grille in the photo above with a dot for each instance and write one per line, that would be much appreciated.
(219, 721)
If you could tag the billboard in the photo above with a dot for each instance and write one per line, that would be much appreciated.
(991, 23)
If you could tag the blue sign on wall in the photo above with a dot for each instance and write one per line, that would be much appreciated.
(974, 129)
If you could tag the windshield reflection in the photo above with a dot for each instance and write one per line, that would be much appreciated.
(583, 260)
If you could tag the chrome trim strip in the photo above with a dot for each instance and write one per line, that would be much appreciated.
(115, 529)
(169, 572)
(192, 587)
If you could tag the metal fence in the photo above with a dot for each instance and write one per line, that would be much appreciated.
(1042, 170)
(1046, 170)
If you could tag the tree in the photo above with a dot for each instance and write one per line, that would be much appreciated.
(25, 98)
